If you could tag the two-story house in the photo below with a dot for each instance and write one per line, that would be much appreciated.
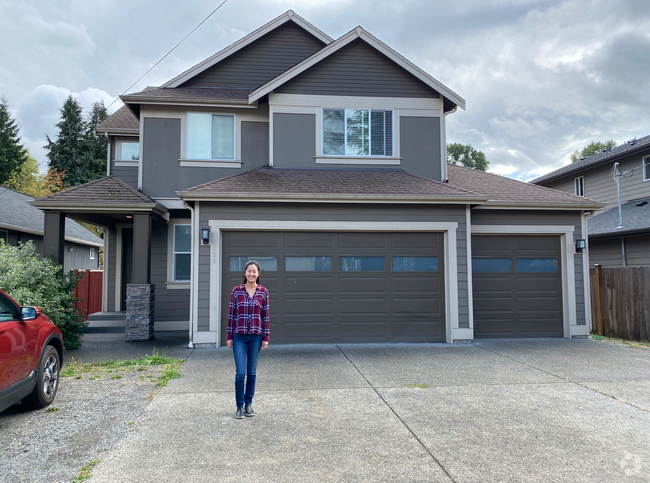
(325, 161)
(617, 238)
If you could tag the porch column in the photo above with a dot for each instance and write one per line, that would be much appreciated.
(140, 295)
(54, 236)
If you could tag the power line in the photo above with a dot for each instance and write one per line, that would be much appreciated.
(174, 48)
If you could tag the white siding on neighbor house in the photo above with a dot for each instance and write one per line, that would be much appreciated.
(600, 184)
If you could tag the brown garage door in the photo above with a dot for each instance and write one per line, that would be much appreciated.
(344, 287)
(517, 284)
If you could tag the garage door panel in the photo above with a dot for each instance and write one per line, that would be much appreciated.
(345, 306)
(349, 283)
(517, 304)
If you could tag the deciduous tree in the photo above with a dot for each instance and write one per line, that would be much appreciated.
(592, 148)
(466, 155)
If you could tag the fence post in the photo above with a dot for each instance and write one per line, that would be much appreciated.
(599, 302)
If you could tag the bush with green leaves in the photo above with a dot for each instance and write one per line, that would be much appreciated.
(42, 283)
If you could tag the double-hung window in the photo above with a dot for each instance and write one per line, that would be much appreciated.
(357, 132)
(579, 186)
(646, 168)
(210, 136)
(182, 248)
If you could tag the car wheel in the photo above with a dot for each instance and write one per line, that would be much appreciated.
(48, 380)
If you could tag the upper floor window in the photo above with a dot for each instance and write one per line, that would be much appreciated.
(357, 132)
(129, 151)
(579, 184)
(182, 252)
(210, 136)
(646, 168)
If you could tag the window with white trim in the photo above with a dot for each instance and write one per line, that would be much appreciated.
(646, 168)
(129, 151)
(182, 253)
(357, 132)
(579, 186)
(210, 136)
(92, 253)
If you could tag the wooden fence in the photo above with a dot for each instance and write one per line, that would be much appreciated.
(620, 302)
(89, 291)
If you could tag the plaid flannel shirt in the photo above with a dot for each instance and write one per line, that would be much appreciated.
(249, 316)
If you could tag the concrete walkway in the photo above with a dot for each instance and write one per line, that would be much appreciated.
(492, 411)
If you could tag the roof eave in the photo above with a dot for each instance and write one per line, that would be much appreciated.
(621, 232)
(118, 131)
(188, 101)
(82, 207)
(342, 42)
(327, 197)
(529, 205)
(40, 233)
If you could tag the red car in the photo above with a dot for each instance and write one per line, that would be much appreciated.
(31, 354)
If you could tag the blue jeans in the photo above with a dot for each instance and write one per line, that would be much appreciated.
(246, 349)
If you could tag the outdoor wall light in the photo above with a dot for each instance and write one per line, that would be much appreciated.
(581, 244)
(205, 235)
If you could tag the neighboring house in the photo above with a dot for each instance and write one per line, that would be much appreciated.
(20, 222)
(613, 243)
(325, 161)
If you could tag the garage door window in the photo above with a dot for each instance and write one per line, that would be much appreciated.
(490, 265)
(415, 264)
(267, 264)
(536, 265)
(308, 264)
(361, 264)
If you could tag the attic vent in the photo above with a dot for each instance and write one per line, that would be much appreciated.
(584, 157)
(607, 150)
(632, 142)
(643, 203)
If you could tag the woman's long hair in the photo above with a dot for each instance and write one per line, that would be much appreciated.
(259, 270)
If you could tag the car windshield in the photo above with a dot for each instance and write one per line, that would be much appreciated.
(8, 310)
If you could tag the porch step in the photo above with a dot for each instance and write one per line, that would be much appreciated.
(107, 319)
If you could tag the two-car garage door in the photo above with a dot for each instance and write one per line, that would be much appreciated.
(343, 286)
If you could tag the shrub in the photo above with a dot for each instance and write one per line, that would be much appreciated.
(42, 283)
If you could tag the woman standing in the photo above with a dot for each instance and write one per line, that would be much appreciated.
(248, 332)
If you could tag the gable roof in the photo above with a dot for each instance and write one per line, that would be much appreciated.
(612, 155)
(358, 33)
(17, 214)
(506, 192)
(636, 218)
(121, 121)
(105, 194)
(289, 15)
(330, 185)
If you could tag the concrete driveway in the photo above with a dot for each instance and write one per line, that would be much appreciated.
(498, 410)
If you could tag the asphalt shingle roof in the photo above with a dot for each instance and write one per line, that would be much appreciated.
(121, 120)
(636, 217)
(500, 188)
(214, 93)
(17, 214)
(330, 182)
(110, 189)
(615, 152)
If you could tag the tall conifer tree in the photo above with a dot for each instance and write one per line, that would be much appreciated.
(66, 153)
(12, 154)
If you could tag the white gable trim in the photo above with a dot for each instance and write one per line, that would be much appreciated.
(243, 42)
(357, 33)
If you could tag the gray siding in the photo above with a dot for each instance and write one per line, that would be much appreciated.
(357, 70)
(162, 173)
(330, 212)
(111, 260)
(516, 217)
(294, 140)
(601, 186)
(261, 61)
(171, 305)
(608, 252)
(420, 146)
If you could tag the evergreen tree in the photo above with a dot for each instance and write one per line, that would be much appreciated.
(95, 145)
(466, 155)
(66, 153)
(12, 154)
(78, 151)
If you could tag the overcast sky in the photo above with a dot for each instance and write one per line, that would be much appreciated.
(541, 78)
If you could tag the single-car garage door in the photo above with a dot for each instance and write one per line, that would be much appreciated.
(517, 285)
(343, 287)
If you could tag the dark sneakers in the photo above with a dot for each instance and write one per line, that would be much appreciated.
(248, 411)
(240, 413)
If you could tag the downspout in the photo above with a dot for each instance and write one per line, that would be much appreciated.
(444, 141)
(623, 252)
(192, 276)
